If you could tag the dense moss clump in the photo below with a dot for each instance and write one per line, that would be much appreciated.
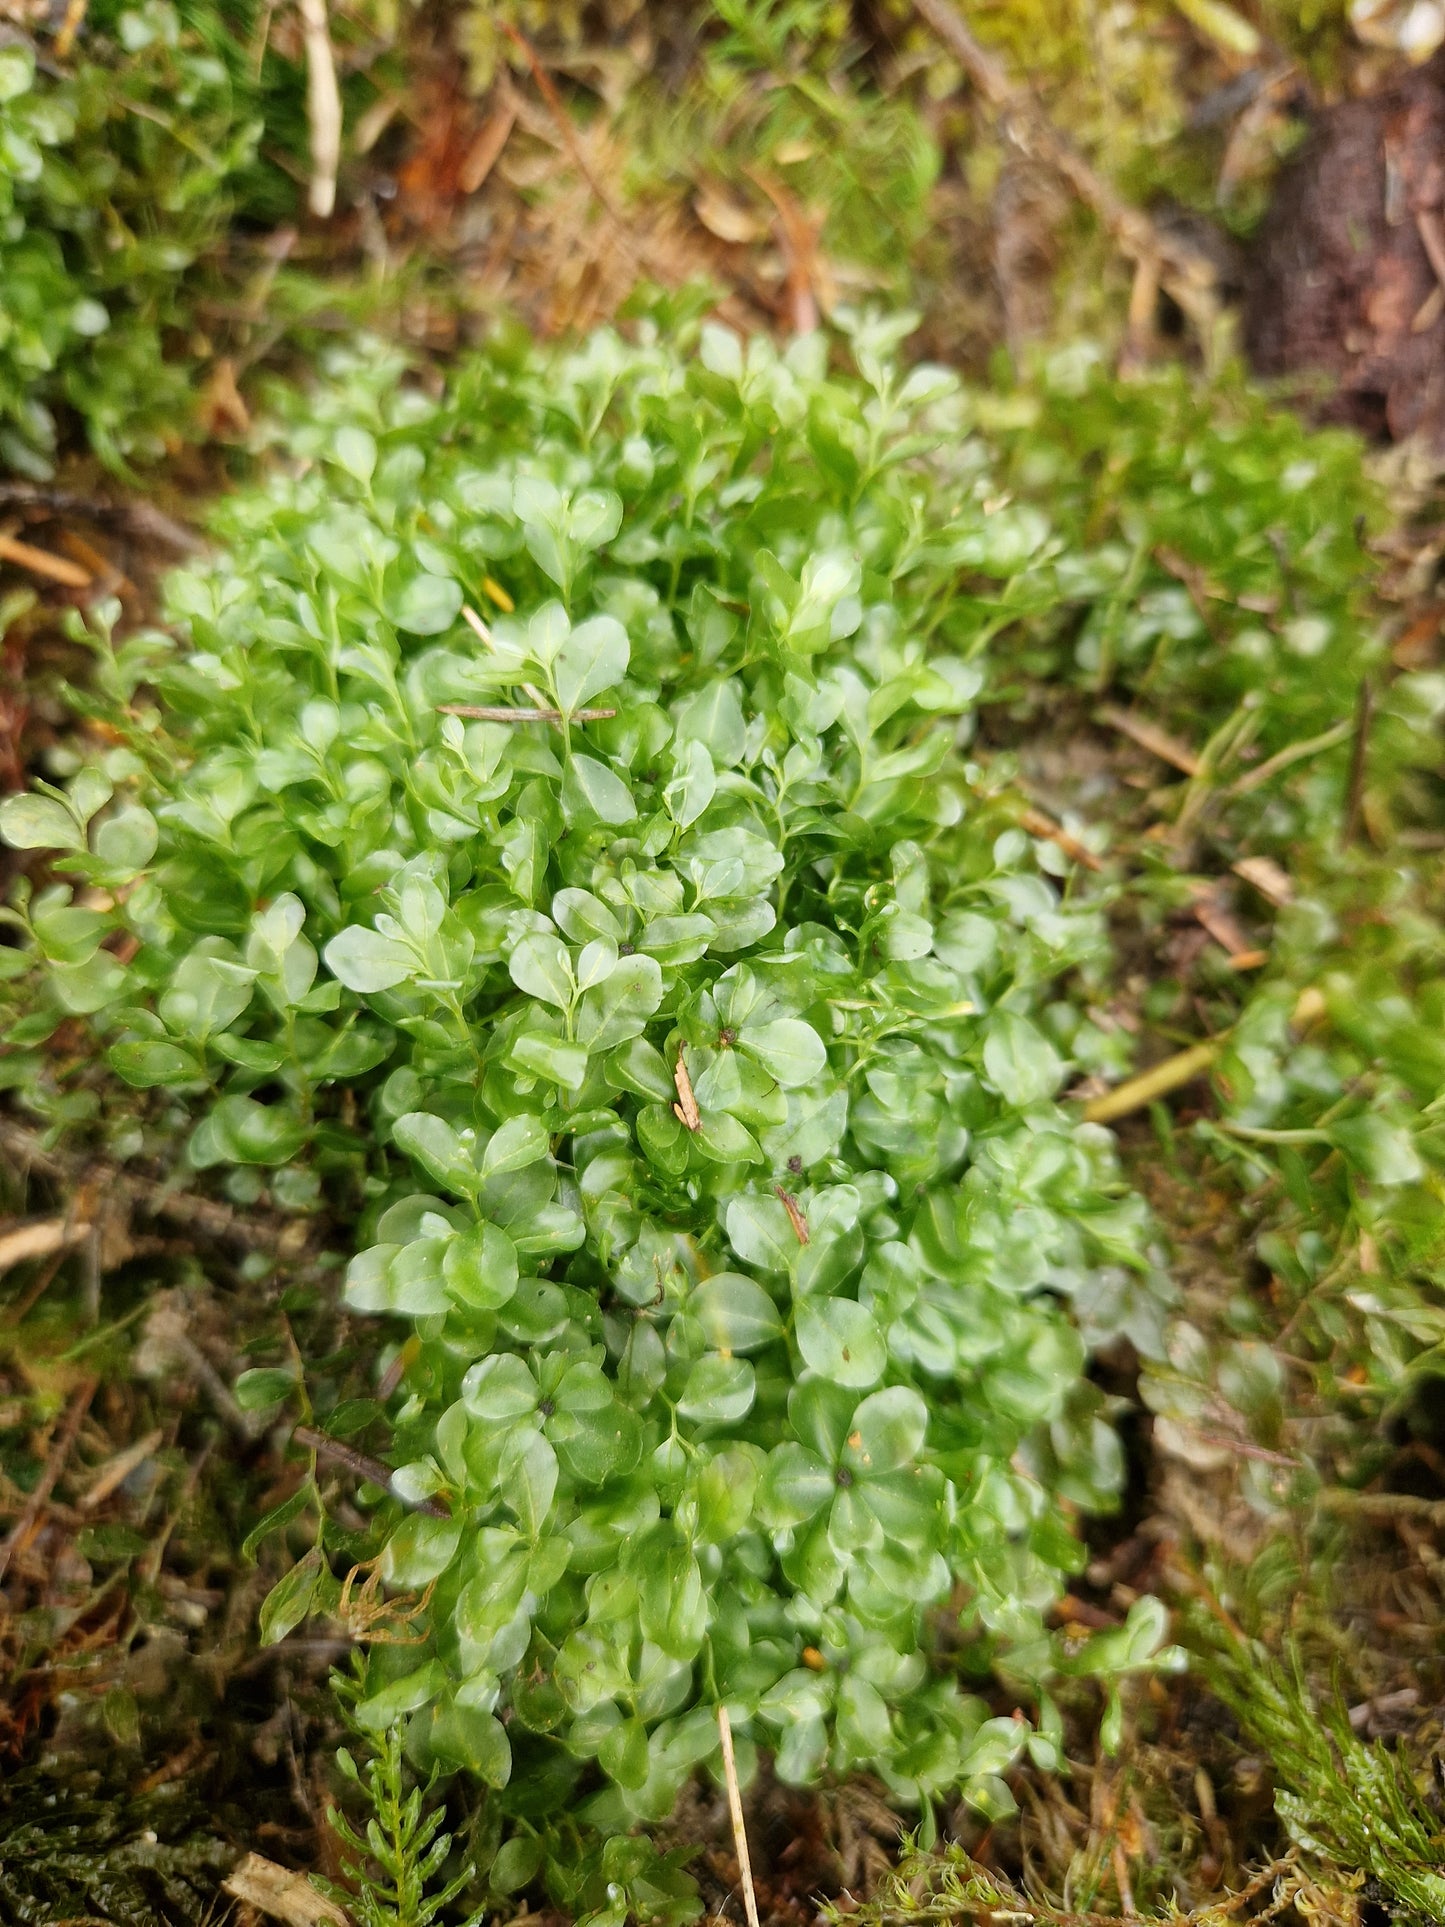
(685, 1022)
(122, 164)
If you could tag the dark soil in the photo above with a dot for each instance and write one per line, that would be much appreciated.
(1342, 286)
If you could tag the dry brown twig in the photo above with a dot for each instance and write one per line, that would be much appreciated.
(374, 1471)
(1214, 915)
(141, 518)
(117, 1470)
(120, 1189)
(1037, 824)
(571, 141)
(41, 562)
(1150, 736)
(486, 150)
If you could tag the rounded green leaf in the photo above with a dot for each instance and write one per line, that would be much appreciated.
(241, 1131)
(515, 1144)
(427, 606)
(355, 450)
(887, 1432)
(719, 1390)
(465, 1739)
(1021, 1063)
(592, 791)
(795, 1485)
(541, 966)
(364, 960)
(480, 1268)
(787, 1049)
(39, 823)
(420, 1550)
(623, 1753)
(735, 1313)
(432, 1143)
(256, 1390)
(841, 1340)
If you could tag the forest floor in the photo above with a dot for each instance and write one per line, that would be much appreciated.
(545, 162)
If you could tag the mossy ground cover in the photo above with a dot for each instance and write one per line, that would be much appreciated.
(1091, 728)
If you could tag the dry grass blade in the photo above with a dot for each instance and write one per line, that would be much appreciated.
(323, 107)
(1037, 824)
(1262, 873)
(40, 1239)
(735, 1809)
(1359, 760)
(1136, 1092)
(1149, 736)
(116, 1471)
(478, 628)
(486, 150)
(795, 1216)
(70, 26)
(1213, 915)
(41, 562)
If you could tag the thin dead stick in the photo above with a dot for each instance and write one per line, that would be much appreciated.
(364, 1467)
(735, 1808)
(478, 628)
(323, 107)
(74, 20)
(1136, 1092)
(141, 517)
(116, 1471)
(54, 1466)
(1037, 824)
(1149, 736)
(486, 150)
(1262, 873)
(494, 713)
(1383, 1506)
(1214, 917)
(54, 568)
(1187, 274)
(254, 1230)
(1432, 238)
(40, 1239)
(1292, 753)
